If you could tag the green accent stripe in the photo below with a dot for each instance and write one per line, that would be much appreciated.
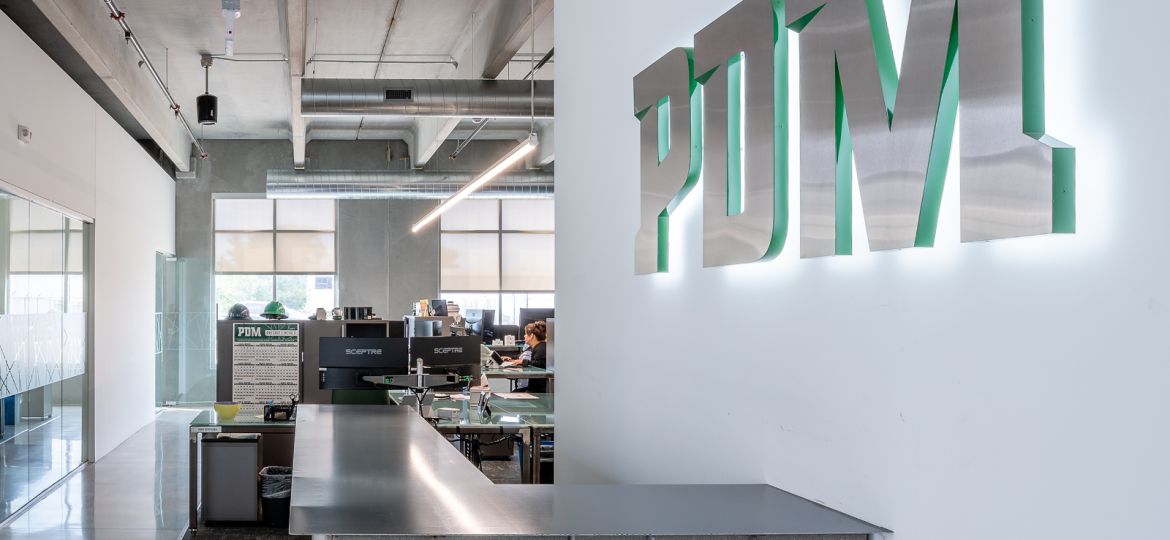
(940, 150)
(802, 22)
(844, 167)
(1064, 190)
(1032, 26)
(663, 129)
(780, 130)
(664, 241)
(884, 50)
(1064, 211)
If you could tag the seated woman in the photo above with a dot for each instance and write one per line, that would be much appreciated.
(535, 335)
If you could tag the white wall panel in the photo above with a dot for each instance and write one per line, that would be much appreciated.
(135, 219)
(57, 166)
(80, 160)
(1011, 389)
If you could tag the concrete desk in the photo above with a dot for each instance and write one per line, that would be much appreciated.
(278, 447)
(371, 471)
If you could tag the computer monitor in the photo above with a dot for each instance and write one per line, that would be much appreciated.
(445, 351)
(458, 355)
(438, 308)
(345, 360)
(375, 329)
(396, 329)
(501, 330)
(421, 327)
(530, 315)
(480, 322)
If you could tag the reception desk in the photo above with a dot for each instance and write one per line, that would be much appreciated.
(371, 471)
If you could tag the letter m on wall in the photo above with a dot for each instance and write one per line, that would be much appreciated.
(1014, 180)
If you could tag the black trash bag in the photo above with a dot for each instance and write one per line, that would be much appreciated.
(276, 482)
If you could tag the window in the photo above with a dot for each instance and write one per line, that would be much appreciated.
(275, 250)
(498, 255)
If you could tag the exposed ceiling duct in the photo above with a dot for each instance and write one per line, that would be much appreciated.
(463, 98)
(412, 185)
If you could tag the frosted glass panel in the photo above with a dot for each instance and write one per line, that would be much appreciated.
(470, 262)
(306, 215)
(304, 252)
(243, 214)
(472, 215)
(528, 215)
(243, 252)
(529, 262)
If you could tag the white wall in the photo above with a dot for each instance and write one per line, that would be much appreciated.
(82, 162)
(1012, 389)
(136, 219)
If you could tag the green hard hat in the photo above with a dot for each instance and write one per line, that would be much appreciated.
(274, 310)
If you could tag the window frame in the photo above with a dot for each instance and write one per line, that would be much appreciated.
(499, 231)
(273, 232)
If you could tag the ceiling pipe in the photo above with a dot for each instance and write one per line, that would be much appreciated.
(406, 59)
(120, 17)
(540, 64)
(483, 122)
(403, 185)
(458, 98)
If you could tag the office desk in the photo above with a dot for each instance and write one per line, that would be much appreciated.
(516, 373)
(527, 418)
(374, 471)
(278, 447)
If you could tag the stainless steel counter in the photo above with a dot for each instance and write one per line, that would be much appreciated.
(376, 470)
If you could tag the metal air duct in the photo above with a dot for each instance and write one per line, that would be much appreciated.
(463, 98)
(407, 185)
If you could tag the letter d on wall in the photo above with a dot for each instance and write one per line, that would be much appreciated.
(743, 59)
(669, 107)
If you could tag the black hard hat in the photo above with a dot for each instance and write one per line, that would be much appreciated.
(239, 312)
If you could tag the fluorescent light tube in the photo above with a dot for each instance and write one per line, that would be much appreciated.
(502, 165)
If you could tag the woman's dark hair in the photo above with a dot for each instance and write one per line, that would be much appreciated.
(539, 329)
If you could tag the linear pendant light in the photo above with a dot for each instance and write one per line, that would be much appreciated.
(526, 147)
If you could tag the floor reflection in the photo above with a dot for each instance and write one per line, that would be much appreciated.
(137, 491)
(34, 454)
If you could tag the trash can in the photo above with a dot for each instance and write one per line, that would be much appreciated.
(275, 495)
(230, 462)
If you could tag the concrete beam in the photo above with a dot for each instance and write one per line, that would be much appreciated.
(87, 27)
(546, 150)
(429, 135)
(292, 13)
(514, 33)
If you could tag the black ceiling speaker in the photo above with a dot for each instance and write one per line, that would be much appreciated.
(207, 105)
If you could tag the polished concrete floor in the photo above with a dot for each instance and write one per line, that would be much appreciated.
(138, 491)
(35, 454)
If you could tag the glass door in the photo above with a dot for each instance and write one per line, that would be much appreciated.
(43, 343)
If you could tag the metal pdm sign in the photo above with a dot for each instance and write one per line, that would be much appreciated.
(720, 110)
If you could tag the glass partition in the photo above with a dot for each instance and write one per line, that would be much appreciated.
(43, 342)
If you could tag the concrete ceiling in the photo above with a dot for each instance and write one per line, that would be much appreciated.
(324, 39)
(253, 95)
